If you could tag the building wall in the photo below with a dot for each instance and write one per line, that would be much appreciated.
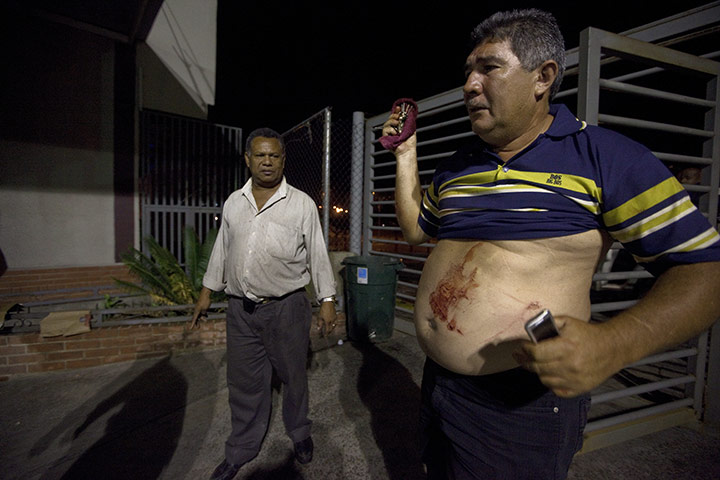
(160, 90)
(56, 146)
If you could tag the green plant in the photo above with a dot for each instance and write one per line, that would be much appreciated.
(112, 302)
(160, 274)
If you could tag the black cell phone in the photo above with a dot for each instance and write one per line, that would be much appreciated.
(541, 327)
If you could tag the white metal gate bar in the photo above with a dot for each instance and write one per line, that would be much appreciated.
(188, 167)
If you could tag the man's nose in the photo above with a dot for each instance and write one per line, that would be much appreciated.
(473, 85)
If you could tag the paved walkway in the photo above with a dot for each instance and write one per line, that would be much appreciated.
(168, 419)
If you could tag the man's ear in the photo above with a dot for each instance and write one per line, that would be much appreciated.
(546, 75)
(247, 160)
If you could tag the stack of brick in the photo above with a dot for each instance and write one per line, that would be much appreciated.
(32, 353)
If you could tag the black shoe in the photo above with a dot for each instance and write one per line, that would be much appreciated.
(304, 450)
(225, 471)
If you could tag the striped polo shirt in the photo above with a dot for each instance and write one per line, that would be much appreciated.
(573, 178)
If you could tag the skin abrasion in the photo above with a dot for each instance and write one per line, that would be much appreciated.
(451, 289)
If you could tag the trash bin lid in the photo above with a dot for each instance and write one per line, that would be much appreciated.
(371, 260)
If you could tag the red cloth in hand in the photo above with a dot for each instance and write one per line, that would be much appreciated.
(391, 142)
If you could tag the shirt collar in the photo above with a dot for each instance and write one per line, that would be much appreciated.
(564, 123)
(281, 192)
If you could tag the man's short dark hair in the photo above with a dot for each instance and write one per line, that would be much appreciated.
(534, 38)
(265, 133)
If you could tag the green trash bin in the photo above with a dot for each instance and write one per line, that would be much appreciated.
(370, 284)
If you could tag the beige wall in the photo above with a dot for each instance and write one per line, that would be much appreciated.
(160, 90)
(56, 147)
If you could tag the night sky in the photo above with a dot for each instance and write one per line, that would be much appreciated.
(279, 63)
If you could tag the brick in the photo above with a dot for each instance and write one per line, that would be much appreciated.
(168, 329)
(145, 340)
(46, 367)
(164, 347)
(119, 358)
(135, 331)
(82, 344)
(101, 352)
(207, 335)
(117, 341)
(27, 358)
(84, 363)
(64, 355)
(24, 339)
(46, 347)
(12, 350)
(175, 337)
(3, 340)
(135, 349)
(106, 332)
(13, 369)
(142, 356)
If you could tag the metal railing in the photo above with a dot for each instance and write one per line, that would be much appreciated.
(188, 168)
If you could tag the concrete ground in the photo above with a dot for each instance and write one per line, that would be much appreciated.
(168, 418)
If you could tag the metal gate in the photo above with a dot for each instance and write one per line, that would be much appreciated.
(188, 168)
(666, 389)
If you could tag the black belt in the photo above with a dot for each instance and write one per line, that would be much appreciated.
(250, 305)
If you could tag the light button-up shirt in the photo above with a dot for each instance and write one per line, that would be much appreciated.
(272, 251)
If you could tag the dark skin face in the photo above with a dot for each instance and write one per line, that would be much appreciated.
(266, 161)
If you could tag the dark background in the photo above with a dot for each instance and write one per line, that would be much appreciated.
(280, 62)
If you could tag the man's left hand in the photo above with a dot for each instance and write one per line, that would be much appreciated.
(327, 318)
(575, 362)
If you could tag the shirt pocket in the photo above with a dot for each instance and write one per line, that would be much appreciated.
(281, 241)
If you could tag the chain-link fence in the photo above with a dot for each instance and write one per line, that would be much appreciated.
(319, 154)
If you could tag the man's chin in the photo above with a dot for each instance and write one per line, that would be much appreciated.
(481, 128)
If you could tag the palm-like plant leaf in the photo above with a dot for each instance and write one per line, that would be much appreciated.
(160, 274)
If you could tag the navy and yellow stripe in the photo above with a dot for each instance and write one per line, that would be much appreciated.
(572, 179)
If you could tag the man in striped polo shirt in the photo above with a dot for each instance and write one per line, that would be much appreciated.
(523, 215)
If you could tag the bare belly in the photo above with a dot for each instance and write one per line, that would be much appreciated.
(474, 297)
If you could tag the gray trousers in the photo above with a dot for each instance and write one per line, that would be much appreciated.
(269, 336)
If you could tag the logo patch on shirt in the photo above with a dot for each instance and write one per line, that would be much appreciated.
(554, 179)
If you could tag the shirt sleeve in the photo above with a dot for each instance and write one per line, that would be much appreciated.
(214, 277)
(429, 218)
(650, 213)
(321, 271)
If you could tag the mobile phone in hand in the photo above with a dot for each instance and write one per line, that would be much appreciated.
(541, 327)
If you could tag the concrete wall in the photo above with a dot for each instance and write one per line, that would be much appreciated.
(56, 146)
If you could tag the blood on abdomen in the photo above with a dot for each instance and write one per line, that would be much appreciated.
(452, 288)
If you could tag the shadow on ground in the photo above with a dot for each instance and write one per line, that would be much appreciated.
(387, 390)
(143, 421)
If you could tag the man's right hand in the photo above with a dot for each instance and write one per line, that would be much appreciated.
(201, 307)
(390, 129)
(408, 194)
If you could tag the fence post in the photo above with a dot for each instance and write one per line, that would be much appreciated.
(356, 181)
(326, 176)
